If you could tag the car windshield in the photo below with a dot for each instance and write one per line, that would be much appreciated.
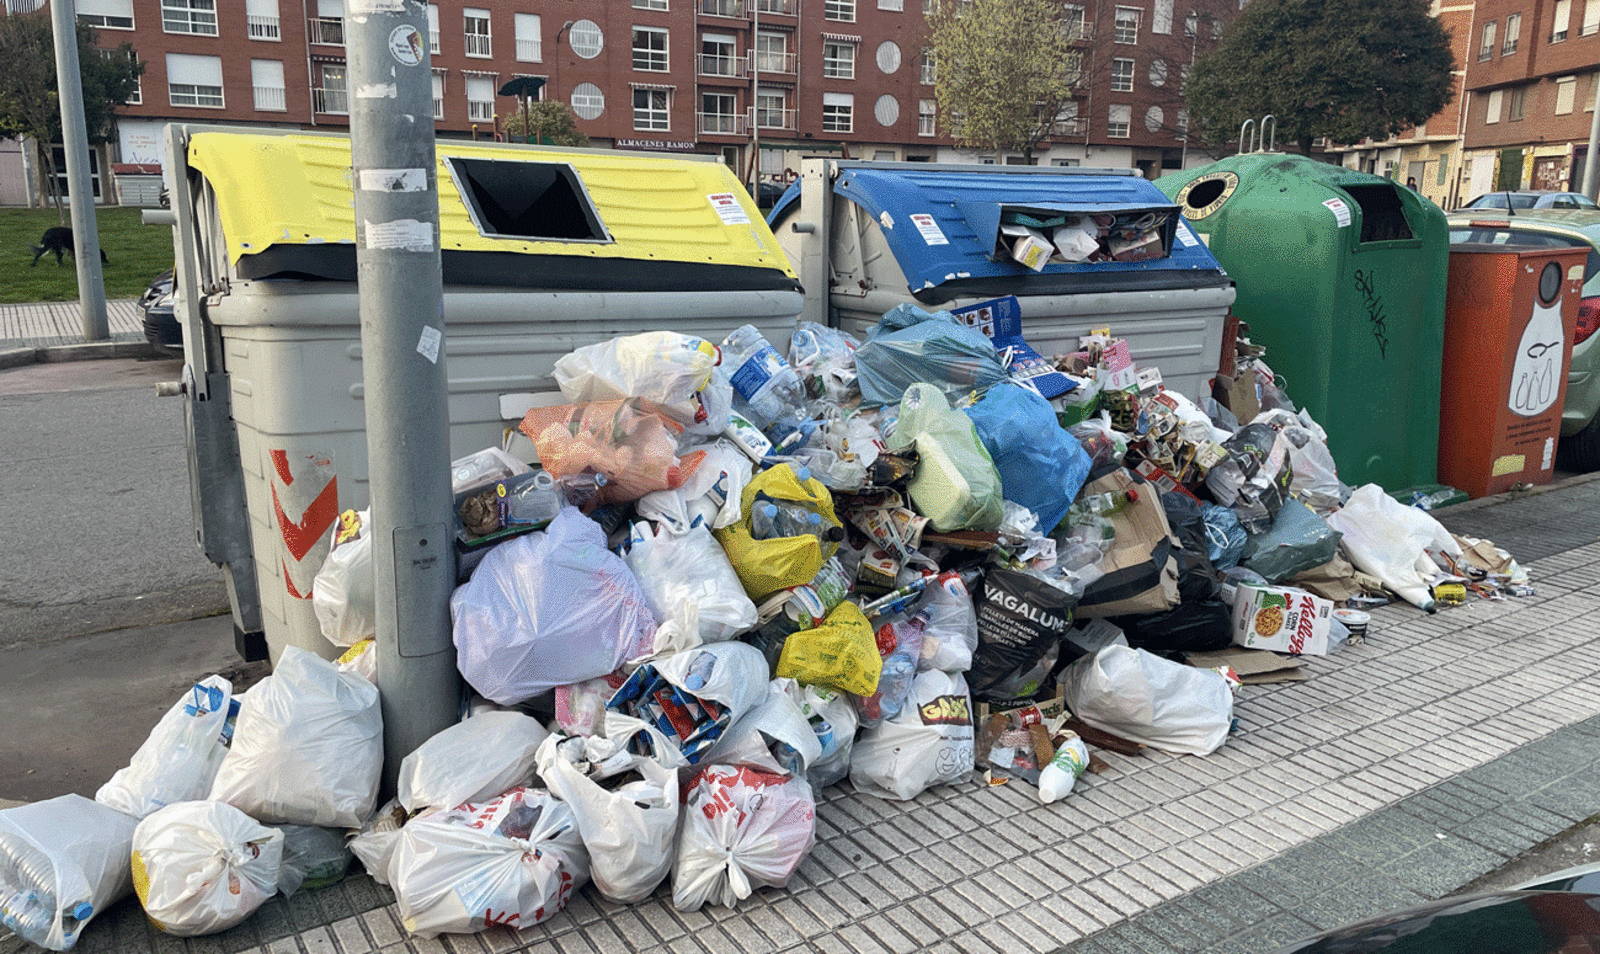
(1504, 234)
(1497, 200)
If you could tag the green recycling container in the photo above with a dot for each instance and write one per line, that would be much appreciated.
(1341, 277)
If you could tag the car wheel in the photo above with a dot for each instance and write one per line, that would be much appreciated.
(1581, 451)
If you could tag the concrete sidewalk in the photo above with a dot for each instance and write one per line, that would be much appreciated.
(53, 331)
(1408, 766)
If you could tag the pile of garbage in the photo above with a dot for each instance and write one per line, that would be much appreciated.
(736, 577)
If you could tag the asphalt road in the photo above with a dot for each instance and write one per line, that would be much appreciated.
(108, 611)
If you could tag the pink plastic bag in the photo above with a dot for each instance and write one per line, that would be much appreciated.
(629, 441)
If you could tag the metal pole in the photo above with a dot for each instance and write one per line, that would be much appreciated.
(80, 186)
(403, 368)
(755, 100)
(1591, 168)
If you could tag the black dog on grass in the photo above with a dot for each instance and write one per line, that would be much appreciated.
(58, 239)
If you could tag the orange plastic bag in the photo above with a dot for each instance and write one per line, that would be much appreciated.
(629, 441)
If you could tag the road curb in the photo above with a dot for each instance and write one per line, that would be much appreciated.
(17, 357)
(89, 351)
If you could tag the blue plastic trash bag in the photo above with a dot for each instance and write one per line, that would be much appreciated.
(910, 345)
(1225, 536)
(1298, 540)
(1041, 465)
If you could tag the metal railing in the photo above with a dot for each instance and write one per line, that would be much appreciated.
(722, 8)
(781, 7)
(774, 118)
(270, 98)
(716, 64)
(263, 28)
(328, 31)
(720, 124)
(478, 44)
(773, 62)
(334, 102)
(530, 51)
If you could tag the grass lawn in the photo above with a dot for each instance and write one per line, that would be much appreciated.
(138, 253)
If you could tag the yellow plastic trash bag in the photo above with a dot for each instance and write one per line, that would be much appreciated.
(777, 563)
(841, 653)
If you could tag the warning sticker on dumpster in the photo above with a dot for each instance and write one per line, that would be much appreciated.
(928, 229)
(728, 208)
(1186, 237)
(1341, 212)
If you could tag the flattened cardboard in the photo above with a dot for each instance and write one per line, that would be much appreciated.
(1255, 666)
(1141, 568)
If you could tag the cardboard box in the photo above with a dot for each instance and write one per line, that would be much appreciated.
(1281, 619)
(1141, 568)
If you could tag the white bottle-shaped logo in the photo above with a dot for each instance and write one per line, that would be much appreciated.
(1536, 372)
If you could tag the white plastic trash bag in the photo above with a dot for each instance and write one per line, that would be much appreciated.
(711, 496)
(471, 761)
(179, 761)
(202, 867)
(62, 862)
(374, 844)
(629, 829)
(344, 594)
(833, 720)
(711, 688)
(308, 748)
(547, 609)
(690, 586)
(929, 743)
(1394, 542)
(514, 861)
(1140, 696)
(660, 366)
(743, 829)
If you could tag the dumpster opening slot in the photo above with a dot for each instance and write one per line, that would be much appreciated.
(1383, 219)
(527, 200)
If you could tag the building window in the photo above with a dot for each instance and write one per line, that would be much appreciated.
(1066, 121)
(189, 16)
(1158, 72)
(480, 99)
(530, 45)
(1074, 67)
(1126, 25)
(927, 117)
(772, 53)
(1118, 119)
(886, 110)
(1075, 22)
(718, 55)
(136, 97)
(1181, 123)
(438, 94)
(1560, 21)
(1591, 18)
(925, 65)
(1161, 19)
(1566, 94)
(331, 93)
(772, 109)
(650, 5)
(1491, 111)
(838, 112)
(106, 14)
(650, 110)
(1121, 75)
(839, 60)
(261, 20)
(844, 11)
(1515, 103)
(1514, 33)
(433, 29)
(1154, 117)
(266, 80)
(717, 116)
(650, 49)
(586, 39)
(896, 5)
(476, 27)
(194, 80)
(588, 101)
(1486, 48)
(888, 57)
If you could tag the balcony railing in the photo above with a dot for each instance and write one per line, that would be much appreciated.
(722, 8)
(478, 44)
(713, 64)
(328, 31)
(780, 7)
(1080, 32)
(720, 124)
(270, 98)
(773, 62)
(530, 51)
(480, 111)
(774, 118)
(263, 28)
(438, 108)
(334, 102)
(433, 42)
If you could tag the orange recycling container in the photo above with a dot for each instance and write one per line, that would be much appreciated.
(1508, 325)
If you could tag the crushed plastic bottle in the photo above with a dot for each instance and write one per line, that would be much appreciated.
(1057, 779)
(765, 384)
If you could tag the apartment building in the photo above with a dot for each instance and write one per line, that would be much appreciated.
(1431, 155)
(1532, 73)
(764, 81)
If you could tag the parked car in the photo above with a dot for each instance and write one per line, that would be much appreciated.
(1520, 199)
(160, 321)
(1580, 418)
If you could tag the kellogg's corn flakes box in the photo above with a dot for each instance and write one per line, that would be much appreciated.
(1282, 620)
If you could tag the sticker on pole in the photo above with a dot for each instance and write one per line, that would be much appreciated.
(405, 45)
(1341, 212)
(394, 180)
(428, 343)
(928, 229)
(411, 235)
(728, 208)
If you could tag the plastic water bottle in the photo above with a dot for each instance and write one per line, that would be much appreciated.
(764, 521)
(1057, 779)
(770, 388)
(534, 500)
(582, 490)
